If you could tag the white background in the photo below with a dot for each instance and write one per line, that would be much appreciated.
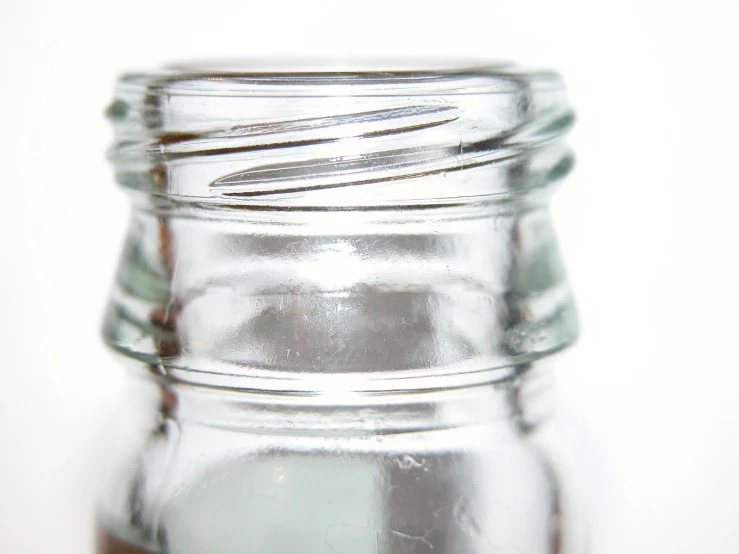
(647, 222)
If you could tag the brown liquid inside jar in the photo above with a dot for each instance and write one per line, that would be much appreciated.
(108, 543)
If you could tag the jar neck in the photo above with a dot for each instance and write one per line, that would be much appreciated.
(366, 301)
(358, 231)
(327, 140)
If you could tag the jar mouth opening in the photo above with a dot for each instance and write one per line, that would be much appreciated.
(342, 76)
(332, 65)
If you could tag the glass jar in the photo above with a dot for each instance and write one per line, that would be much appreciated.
(338, 299)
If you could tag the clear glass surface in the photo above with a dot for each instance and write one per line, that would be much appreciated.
(338, 299)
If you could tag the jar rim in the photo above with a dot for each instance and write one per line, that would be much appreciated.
(340, 134)
(314, 77)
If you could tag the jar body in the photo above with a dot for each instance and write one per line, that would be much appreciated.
(445, 471)
(338, 315)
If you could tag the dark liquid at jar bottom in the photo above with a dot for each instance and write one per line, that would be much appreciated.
(108, 543)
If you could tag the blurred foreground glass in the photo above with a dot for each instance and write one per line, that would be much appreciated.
(338, 297)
